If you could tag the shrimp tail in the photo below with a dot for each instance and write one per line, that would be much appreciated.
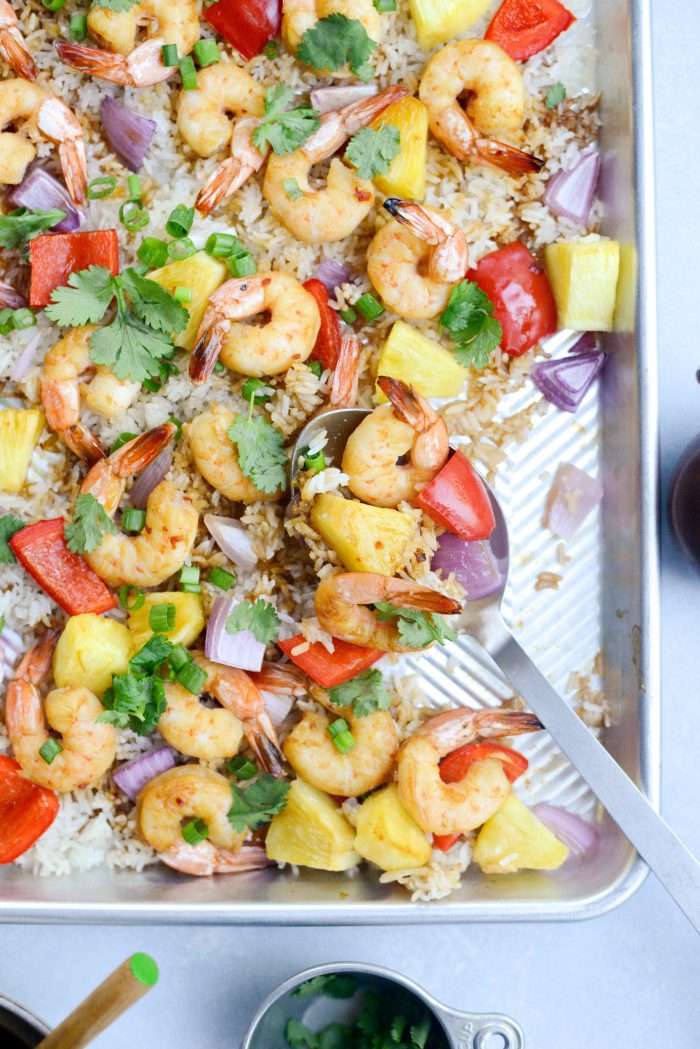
(14, 50)
(229, 177)
(347, 372)
(410, 214)
(506, 158)
(426, 600)
(262, 740)
(94, 61)
(407, 403)
(508, 723)
(71, 154)
(358, 114)
(135, 456)
(205, 859)
(205, 353)
(280, 678)
(83, 443)
(36, 661)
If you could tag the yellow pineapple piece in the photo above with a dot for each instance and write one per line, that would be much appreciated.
(514, 839)
(189, 618)
(583, 275)
(203, 274)
(387, 835)
(311, 831)
(89, 651)
(365, 538)
(409, 355)
(406, 176)
(20, 429)
(438, 21)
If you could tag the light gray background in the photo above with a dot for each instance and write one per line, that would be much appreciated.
(627, 979)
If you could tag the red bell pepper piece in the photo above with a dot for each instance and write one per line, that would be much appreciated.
(26, 810)
(247, 24)
(525, 27)
(517, 285)
(458, 500)
(54, 256)
(65, 576)
(455, 766)
(329, 338)
(330, 668)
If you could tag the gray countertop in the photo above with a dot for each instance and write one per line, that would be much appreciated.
(627, 979)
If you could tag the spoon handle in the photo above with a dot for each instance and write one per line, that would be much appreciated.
(675, 867)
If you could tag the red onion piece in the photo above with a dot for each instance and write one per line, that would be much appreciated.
(132, 776)
(565, 381)
(473, 564)
(241, 650)
(325, 99)
(150, 477)
(580, 836)
(234, 540)
(277, 706)
(332, 273)
(128, 134)
(11, 648)
(10, 298)
(586, 344)
(39, 189)
(570, 193)
(26, 359)
(571, 499)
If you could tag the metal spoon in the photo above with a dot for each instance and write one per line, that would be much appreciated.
(675, 867)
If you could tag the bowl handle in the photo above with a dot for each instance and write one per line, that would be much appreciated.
(482, 1030)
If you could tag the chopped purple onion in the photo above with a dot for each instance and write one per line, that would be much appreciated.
(10, 298)
(472, 562)
(234, 540)
(332, 273)
(242, 649)
(133, 776)
(572, 497)
(580, 836)
(326, 99)
(40, 190)
(26, 359)
(128, 134)
(565, 381)
(150, 478)
(570, 194)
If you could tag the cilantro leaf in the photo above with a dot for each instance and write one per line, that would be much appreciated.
(90, 523)
(129, 347)
(299, 1036)
(259, 617)
(416, 629)
(115, 5)
(134, 701)
(153, 304)
(84, 300)
(555, 95)
(156, 650)
(9, 524)
(261, 454)
(332, 985)
(419, 1033)
(365, 693)
(285, 129)
(335, 42)
(337, 1036)
(469, 321)
(21, 225)
(372, 152)
(257, 804)
(478, 350)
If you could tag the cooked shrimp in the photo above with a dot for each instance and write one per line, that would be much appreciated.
(312, 754)
(216, 456)
(347, 372)
(107, 395)
(396, 450)
(223, 91)
(415, 261)
(341, 599)
(188, 792)
(330, 214)
(204, 859)
(12, 46)
(289, 334)
(300, 15)
(125, 61)
(24, 104)
(455, 808)
(149, 558)
(88, 748)
(211, 733)
(280, 678)
(497, 104)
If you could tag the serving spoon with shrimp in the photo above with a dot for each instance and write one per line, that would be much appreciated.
(672, 863)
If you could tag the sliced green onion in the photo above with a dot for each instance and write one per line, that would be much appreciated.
(133, 519)
(6, 322)
(183, 294)
(385, 5)
(191, 588)
(2, 622)
(221, 245)
(161, 618)
(132, 216)
(219, 368)
(315, 462)
(178, 424)
(180, 221)
(169, 54)
(188, 73)
(77, 29)
(221, 578)
(271, 49)
(369, 307)
(257, 390)
(50, 750)
(192, 677)
(292, 188)
(181, 249)
(101, 187)
(133, 184)
(23, 318)
(195, 831)
(242, 767)
(207, 52)
(337, 726)
(53, 5)
(153, 252)
(343, 739)
(126, 601)
(242, 265)
(349, 315)
(179, 657)
(121, 440)
(189, 574)
(316, 367)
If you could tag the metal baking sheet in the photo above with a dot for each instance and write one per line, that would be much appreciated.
(601, 622)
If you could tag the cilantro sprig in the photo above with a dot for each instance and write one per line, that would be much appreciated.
(378, 1026)
(20, 226)
(335, 42)
(140, 334)
(257, 804)
(469, 321)
(372, 151)
(416, 629)
(285, 129)
(366, 693)
(89, 525)
(260, 617)
(9, 524)
(331, 985)
(261, 453)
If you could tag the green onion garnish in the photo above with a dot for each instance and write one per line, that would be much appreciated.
(126, 601)
(23, 318)
(179, 657)
(181, 249)
(349, 315)
(6, 322)
(315, 462)
(53, 5)
(191, 588)
(50, 750)
(192, 678)
(180, 221)
(292, 189)
(221, 578)
(77, 30)
(183, 294)
(101, 187)
(178, 424)
(385, 5)
(161, 618)
(369, 307)
(133, 519)
(257, 390)
(195, 831)
(188, 73)
(121, 440)
(271, 49)
(242, 265)
(153, 252)
(207, 52)
(343, 739)
(221, 245)
(242, 767)
(169, 54)
(133, 184)
(316, 367)
(132, 216)
(2, 623)
(219, 368)
(189, 574)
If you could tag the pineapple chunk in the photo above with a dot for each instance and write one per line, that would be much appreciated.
(513, 839)
(365, 538)
(406, 176)
(418, 360)
(386, 834)
(189, 618)
(583, 275)
(19, 431)
(437, 21)
(311, 832)
(89, 651)
(203, 274)
(626, 297)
